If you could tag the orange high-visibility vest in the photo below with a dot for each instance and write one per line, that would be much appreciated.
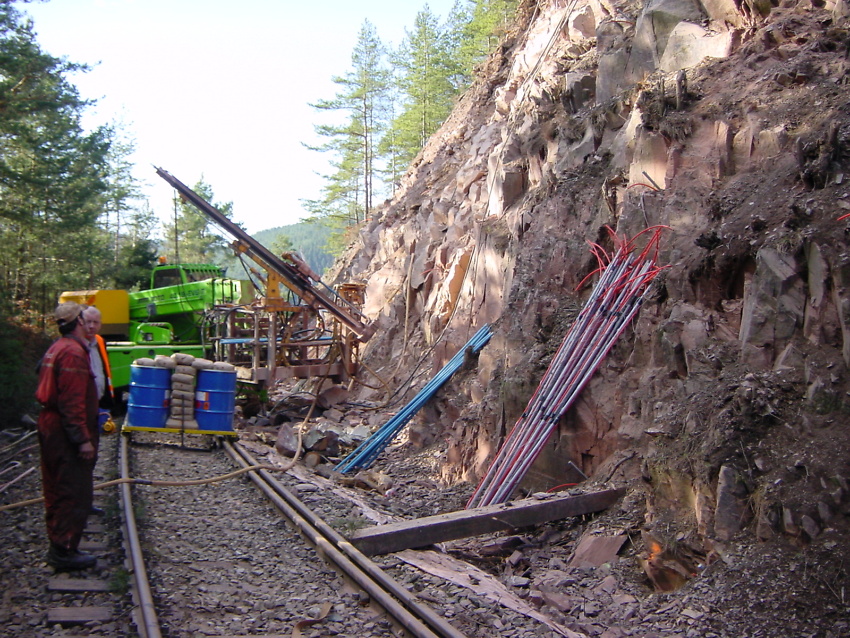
(101, 346)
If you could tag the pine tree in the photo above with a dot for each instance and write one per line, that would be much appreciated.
(124, 194)
(137, 251)
(53, 176)
(481, 25)
(426, 70)
(348, 196)
(190, 237)
(398, 109)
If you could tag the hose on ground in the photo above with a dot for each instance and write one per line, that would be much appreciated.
(160, 483)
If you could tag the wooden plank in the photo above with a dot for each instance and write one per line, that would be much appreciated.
(93, 546)
(421, 532)
(78, 615)
(77, 584)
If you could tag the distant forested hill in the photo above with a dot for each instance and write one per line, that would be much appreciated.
(307, 238)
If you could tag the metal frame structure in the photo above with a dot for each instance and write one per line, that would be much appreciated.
(297, 327)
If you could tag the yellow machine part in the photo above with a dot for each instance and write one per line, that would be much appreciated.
(114, 306)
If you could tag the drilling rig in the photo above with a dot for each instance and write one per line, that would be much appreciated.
(291, 326)
(295, 327)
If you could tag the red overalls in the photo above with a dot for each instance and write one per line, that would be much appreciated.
(68, 419)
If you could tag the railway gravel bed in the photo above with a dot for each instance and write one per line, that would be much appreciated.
(222, 561)
(24, 575)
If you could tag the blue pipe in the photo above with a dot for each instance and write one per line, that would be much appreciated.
(368, 450)
(364, 455)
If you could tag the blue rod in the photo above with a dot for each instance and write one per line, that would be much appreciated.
(368, 450)
(364, 455)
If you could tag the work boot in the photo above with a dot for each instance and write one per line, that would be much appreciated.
(68, 560)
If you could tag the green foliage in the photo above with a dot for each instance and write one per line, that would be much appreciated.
(191, 236)
(340, 238)
(478, 29)
(427, 70)
(136, 254)
(20, 349)
(349, 192)
(308, 239)
(120, 210)
(391, 113)
(119, 582)
(135, 262)
(282, 244)
(53, 176)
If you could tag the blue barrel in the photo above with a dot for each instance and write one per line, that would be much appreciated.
(150, 391)
(215, 396)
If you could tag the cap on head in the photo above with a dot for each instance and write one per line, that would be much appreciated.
(67, 312)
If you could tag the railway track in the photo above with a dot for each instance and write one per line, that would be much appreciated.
(35, 600)
(402, 609)
(258, 554)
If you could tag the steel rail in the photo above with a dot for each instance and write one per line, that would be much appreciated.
(578, 335)
(369, 450)
(557, 404)
(366, 453)
(614, 318)
(546, 426)
(530, 414)
(420, 620)
(628, 290)
(147, 620)
(535, 432)
(475, 344)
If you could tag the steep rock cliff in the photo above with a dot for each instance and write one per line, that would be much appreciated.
(725, 403)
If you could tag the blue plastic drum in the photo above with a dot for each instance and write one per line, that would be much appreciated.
(215, 397)
(150, 392)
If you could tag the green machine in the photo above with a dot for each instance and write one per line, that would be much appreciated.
(168, 317)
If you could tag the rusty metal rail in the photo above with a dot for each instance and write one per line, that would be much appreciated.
(417, 618)
(147, 622)
(404, 607)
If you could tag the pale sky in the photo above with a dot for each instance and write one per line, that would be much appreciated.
(219, 89)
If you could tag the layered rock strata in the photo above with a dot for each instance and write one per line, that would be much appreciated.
(726, 123)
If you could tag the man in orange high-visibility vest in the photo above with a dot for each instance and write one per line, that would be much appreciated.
(99, 363)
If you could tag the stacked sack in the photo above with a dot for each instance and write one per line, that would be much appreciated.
(183, 380)
(181, 398)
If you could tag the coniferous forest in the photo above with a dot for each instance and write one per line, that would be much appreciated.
(73, 217)
(391, 101)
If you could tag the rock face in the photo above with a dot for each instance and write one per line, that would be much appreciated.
(724, 122)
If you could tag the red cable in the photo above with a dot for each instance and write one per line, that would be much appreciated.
(557, 487)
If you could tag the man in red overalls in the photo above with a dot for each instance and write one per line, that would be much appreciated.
(68, 434)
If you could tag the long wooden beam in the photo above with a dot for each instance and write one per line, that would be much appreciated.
(421, 532)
